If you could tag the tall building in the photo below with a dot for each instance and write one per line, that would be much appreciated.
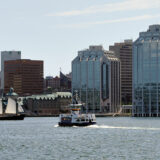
(124, 52)
(96, 78)
(146, 73)
(5, 56)
(25, 76)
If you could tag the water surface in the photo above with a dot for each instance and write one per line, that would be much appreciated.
(111, 139)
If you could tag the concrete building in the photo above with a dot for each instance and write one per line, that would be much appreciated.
(96, 78)
(25, 76)
(7, 55)
(124, 52)
(146, 73)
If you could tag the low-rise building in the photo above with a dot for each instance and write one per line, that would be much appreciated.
(47, 104)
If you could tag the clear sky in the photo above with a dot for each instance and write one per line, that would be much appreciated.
(54, 30)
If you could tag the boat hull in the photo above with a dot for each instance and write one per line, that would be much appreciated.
(12, 117)
(63, 124)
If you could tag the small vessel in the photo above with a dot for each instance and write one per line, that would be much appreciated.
(76, 118)
(13, 110)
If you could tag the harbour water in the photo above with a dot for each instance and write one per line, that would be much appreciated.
(119, 138)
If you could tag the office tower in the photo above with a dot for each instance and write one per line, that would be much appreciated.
(25, 76)
(123, 51)
(146, 73)
(7, 55)
(96, 78)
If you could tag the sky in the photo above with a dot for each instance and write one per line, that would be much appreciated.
(55, 30)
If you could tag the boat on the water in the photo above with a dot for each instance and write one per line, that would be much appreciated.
(12, 111)
(76, 118)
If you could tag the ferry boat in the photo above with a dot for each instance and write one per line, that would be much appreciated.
(13, 111)
(76, 118)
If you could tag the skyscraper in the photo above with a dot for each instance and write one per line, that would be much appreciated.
(146, 73)
(7, 55)
(123, 51)
(96, 78)
(25, 76)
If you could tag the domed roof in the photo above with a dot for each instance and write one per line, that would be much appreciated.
(11, 92)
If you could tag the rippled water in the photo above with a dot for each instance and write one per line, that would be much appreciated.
(111, 139)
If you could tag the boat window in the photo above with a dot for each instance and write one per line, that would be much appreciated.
(66, 118)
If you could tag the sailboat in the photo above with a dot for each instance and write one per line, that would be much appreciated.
(13, 110)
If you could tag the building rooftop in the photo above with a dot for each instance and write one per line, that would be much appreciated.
(111, 56)
(154, 28)
(152, 34)
(51, 96)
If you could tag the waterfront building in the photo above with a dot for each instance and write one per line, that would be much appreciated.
(25, 76)
(46, 104)
(146, 73)
(53, 83)
(96, 78)
(123, 51)
(7, 55)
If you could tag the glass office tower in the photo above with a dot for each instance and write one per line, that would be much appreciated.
(146, 73)
(91, 78)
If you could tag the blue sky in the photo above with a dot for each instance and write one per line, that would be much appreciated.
(54, 30)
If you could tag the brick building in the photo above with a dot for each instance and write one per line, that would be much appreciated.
(24, 75)
(54, 83)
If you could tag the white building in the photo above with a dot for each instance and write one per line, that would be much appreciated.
(5, 56)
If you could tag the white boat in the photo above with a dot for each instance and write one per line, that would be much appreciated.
(76, 118)
(13, 111)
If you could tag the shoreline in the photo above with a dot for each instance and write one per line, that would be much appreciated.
(97, 115)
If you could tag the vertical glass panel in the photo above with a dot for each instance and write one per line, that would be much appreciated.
(90, 84)
(154, 77)
(140, 62)
(153, 62)
(105, 81)
(83, 74)
(135, 65)
(104, 76)
(83, 80)
(97, 84)
(146, 63)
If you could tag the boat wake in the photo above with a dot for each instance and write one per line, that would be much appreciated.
(121, 127)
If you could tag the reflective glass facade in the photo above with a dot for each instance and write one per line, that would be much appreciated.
(146, 73)
(91, 78)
